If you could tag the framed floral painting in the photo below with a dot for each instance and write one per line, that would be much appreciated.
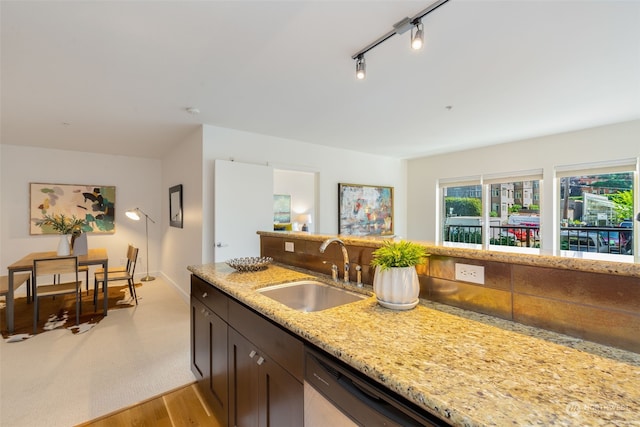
(95, 204)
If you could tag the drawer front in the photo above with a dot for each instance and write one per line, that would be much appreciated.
(211, 297)
(279, 345)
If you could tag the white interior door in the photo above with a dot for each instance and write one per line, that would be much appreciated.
(243, 205)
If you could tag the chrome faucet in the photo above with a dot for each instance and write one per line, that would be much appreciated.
(345, 254)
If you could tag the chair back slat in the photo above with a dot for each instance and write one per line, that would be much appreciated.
(50, 266)
(132, 258)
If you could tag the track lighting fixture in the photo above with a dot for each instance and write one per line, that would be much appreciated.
(400, 27)
(361, 68)
(417, 39)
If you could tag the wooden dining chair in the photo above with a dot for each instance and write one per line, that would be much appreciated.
(112, 270)
(122, 267)
(66, 268)
(117, 274)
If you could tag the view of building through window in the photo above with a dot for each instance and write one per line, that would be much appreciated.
(596, 214)
(514, 219)
(462, 214)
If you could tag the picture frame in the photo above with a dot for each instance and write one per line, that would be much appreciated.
(175, 206)
(365, 210)
(96, 204)
(281, 209)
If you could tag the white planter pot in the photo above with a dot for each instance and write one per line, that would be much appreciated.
(63, 246)
(397, 288)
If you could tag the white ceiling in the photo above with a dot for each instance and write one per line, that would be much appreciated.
(116, 76)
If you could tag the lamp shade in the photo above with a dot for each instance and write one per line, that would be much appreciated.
(304, 218)
(133, 214)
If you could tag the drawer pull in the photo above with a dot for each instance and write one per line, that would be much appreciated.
(204, 294)
(260, 360)
(252, 354)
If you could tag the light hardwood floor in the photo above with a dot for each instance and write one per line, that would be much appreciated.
(182, 407)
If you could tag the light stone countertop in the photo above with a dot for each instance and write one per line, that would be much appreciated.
(468, 368)
(539, 260)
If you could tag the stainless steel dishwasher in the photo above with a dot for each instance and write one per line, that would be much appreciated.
(362, 401)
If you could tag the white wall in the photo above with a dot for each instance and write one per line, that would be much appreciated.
(604, 143)
(301, 187)
(183, 246)
(137, 182)
(332, 165)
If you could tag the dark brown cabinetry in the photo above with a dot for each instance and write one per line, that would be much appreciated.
(209, 345)
(262, 393)
(250, 369)
(265, 372)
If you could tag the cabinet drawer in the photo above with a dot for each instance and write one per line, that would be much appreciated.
(285, 349)
(211, 297)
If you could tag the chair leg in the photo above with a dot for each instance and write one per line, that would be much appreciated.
(132, 290)
(35, 314)
(78, 304)
(28, 290)
(95, 293)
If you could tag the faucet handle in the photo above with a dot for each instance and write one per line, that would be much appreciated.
(334, 272)
(346, 272)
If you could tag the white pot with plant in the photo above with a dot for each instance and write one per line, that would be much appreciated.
(395, 282)
(64, 225)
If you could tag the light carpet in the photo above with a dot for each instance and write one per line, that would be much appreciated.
(61, 379)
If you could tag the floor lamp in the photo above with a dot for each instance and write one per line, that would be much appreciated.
(135, 215)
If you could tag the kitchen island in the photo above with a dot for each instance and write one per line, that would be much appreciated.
(467, 368)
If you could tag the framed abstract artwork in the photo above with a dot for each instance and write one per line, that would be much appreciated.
(281, 208)
(365, 210)
(93, 203)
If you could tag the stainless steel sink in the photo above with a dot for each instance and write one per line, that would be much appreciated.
(310, 295)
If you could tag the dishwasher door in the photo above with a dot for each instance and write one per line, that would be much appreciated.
(319, 412)
(362, 402)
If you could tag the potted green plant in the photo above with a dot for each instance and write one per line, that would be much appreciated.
(395, 282)
(63, 225)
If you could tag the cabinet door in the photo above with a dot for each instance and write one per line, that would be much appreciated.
(243, 382)
(209, 357)
(281, 397)
(200, 340)
(219, 365)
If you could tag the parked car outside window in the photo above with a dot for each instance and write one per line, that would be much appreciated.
(583, 241)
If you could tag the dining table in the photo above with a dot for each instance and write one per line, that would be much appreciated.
(97, 257)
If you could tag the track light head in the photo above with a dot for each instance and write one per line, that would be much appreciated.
(417, 39)
(361, 68)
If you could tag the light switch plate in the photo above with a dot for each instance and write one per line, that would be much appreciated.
(470, 273)
(288, 247)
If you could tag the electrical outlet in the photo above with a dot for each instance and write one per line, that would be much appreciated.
(288, 247)
(470, 273)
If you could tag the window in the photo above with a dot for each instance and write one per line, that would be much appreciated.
(592, 216)
(516, 225)
(596, 209)
(462, 213)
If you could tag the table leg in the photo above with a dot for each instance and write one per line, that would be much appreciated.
(9, 304)
(105, 295)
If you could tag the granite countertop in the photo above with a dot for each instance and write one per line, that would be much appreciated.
(539, 260)
(468, 368)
